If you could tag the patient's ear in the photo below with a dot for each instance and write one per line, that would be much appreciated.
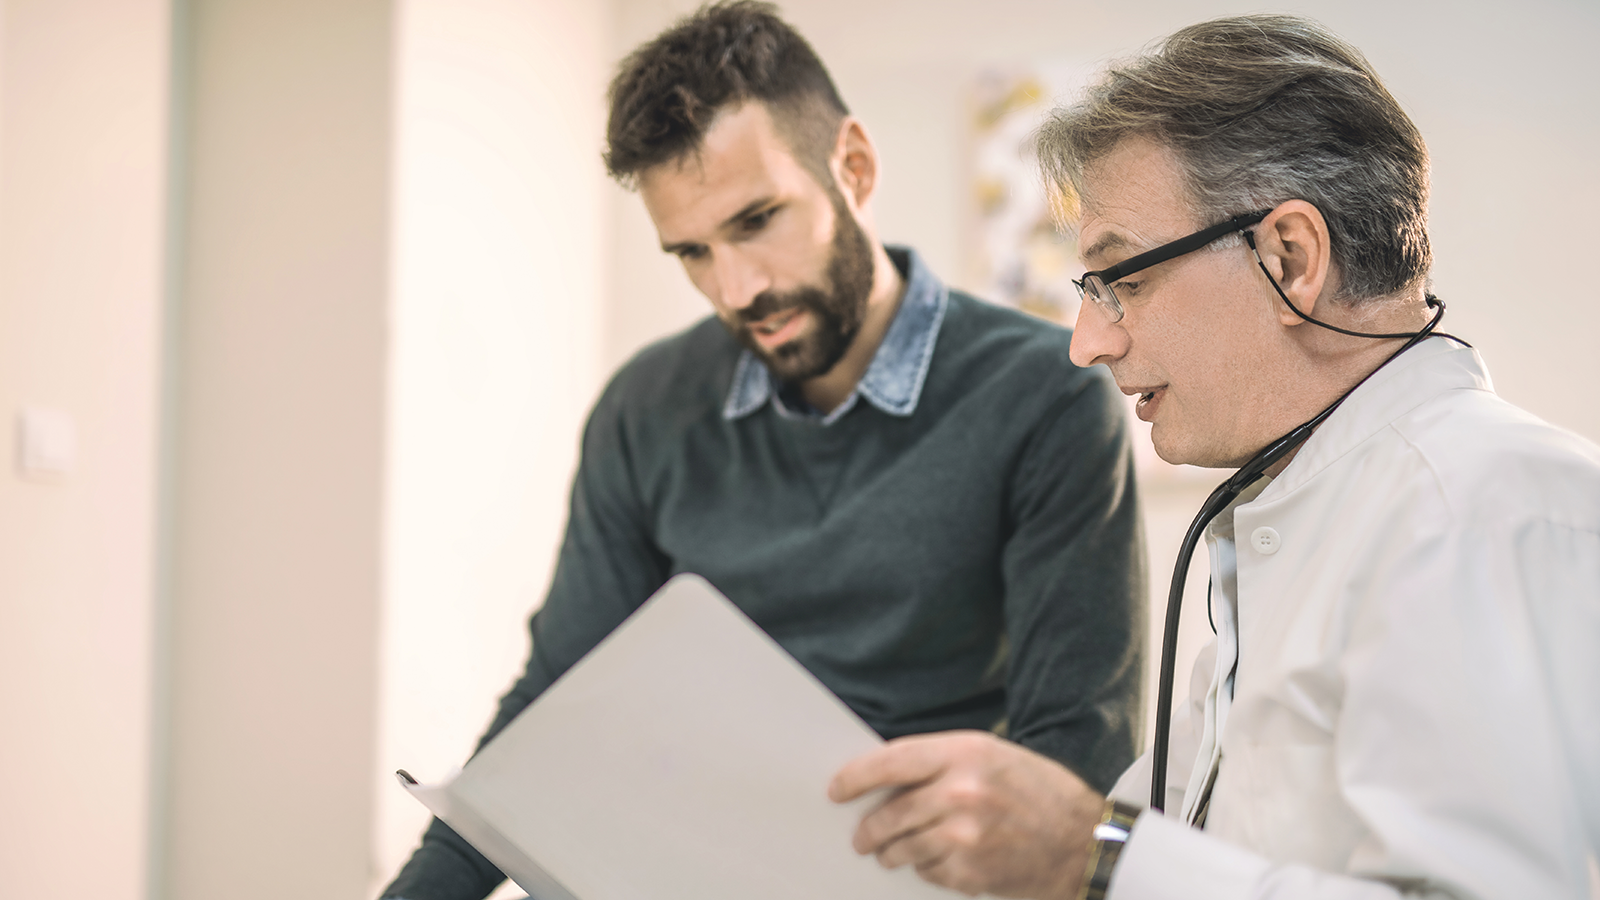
(1294, 246)
(855, 162)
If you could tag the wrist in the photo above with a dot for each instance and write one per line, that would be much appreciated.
(1105, 848)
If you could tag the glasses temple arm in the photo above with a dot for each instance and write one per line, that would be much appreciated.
(1179, 247)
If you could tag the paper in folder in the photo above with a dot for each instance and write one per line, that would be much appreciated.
(687, 756)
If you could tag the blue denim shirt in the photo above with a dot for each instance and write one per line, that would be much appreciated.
(893, 381)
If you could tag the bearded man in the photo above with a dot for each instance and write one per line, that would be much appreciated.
(917, 494)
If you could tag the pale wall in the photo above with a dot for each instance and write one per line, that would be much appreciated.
(83, 99)
(278, 446)
(498, 283)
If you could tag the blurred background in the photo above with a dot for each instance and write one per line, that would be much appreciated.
(303, 302)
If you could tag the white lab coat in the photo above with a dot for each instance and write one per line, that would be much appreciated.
(1414, 608)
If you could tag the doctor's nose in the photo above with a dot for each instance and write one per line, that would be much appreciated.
(1095, 339)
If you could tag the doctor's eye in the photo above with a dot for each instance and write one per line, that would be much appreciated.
(1126, 289)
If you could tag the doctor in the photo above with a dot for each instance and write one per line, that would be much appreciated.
(1406, 678)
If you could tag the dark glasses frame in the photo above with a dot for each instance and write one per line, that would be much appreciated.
(1096, 286)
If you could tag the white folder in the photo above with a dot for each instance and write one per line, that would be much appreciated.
(687, 757)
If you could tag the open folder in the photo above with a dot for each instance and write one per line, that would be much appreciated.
(687, 756)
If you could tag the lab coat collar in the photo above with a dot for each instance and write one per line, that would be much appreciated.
(1431, 368)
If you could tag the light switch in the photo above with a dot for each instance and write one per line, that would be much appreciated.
(47, 443)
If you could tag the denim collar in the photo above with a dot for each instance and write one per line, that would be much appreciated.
(893, 381)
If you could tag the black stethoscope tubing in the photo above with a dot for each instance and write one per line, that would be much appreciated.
(1225, 494)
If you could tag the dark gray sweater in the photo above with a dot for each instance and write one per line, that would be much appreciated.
(978, 563)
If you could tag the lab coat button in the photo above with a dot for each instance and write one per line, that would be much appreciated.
(1265, 540)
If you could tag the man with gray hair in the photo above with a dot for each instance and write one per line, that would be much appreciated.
(1405, 569)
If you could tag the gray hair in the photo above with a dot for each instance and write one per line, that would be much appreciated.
(1259, 110)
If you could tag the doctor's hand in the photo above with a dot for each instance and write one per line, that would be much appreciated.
(976, 813)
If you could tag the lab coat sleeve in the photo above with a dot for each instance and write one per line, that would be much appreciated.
(1466, 741)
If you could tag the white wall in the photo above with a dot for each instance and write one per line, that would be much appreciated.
(278, 445)
(83, 98)
(498, 280)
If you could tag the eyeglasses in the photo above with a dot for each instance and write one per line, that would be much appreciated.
(1096, 286)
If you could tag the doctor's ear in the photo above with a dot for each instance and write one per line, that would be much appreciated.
(1293, 244)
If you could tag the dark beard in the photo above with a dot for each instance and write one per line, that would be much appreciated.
(838, 307)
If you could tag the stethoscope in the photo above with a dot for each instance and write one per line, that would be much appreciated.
(1225, 494)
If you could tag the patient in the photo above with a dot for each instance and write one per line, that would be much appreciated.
(917, 494)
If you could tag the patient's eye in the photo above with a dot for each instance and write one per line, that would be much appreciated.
(757, 220)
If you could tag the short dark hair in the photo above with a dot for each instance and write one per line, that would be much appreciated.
(668, 91)
(1262, 109)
